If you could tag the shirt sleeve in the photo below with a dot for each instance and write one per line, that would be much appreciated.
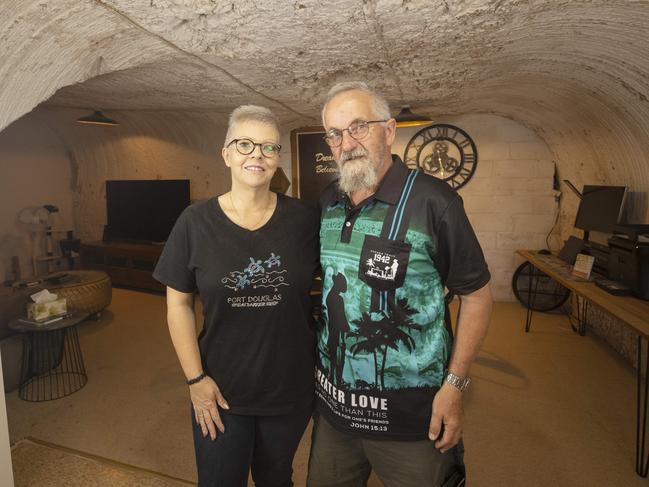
(173, 267)
(314, 244)
(459, 258)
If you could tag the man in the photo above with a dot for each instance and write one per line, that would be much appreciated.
(389, 383)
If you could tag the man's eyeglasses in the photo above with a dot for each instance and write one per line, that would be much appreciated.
(358, 130)
(247, 146)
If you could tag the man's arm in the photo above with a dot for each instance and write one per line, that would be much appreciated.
(473, 322)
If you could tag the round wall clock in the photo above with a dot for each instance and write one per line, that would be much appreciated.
(443, 151)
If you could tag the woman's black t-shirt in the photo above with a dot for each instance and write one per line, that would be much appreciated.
(258, 337)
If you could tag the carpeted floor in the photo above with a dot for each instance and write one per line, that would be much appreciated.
(545, 408)
(36, 463)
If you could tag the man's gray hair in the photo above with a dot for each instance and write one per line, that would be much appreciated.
(380, 105)
(250, 113)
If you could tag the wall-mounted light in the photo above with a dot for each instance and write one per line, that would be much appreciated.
(407, 118)
(97, 118)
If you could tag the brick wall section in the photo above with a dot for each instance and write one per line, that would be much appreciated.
(509, 201)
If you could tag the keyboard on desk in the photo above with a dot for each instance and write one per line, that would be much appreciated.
(560, 267)
(613, 287)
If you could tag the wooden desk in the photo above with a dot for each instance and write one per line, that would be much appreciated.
(632, 312)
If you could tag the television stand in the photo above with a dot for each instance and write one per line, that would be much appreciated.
(128, 264)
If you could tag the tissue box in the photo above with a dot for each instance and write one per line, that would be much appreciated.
(43, 311)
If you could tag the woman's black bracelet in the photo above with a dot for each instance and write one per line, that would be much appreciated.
(196, 379)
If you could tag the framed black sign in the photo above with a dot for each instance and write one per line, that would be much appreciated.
(313, 165)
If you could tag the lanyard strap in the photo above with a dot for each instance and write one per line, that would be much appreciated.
(395, 226)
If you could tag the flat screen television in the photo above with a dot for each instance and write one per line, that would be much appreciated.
(144, 210)
(601, 208)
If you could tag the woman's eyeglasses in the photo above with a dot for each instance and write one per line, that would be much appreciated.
(247, 146)
(357, 130)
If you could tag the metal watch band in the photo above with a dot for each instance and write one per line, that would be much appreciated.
(460, 383)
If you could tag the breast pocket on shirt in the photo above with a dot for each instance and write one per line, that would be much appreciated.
(383, 263)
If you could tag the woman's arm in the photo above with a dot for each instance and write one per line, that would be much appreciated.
(205, 394)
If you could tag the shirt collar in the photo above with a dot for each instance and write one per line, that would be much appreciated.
(389, 189)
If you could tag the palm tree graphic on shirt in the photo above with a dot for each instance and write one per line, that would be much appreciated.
(377, 337)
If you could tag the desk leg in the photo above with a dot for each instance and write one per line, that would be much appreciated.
(641, 459)
(582, 313)
(531, 297)
(528, 318)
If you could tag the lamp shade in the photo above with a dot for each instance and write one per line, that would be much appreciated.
(97, 118)
(408, 119)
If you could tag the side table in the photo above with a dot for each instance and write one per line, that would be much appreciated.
(52, 365)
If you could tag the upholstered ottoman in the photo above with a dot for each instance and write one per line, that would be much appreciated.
(88, 291)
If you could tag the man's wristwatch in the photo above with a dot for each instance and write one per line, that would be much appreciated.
(460, 383)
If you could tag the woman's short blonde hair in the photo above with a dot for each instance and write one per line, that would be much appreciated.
(250, 113)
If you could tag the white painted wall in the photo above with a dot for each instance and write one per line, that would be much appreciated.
(34, 170)
(509, 201)
(46, 157)
(145, 145)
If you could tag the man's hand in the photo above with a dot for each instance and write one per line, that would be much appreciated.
(448, 411)
(205, 396)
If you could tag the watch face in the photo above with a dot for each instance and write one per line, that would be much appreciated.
(443, 151)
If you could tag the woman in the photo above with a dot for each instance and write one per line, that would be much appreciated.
(251, 254)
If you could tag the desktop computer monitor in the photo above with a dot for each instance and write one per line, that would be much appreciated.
(601, 208)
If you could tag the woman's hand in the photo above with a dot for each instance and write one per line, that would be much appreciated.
(205, 396)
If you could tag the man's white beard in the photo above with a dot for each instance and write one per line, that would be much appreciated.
(356, 174)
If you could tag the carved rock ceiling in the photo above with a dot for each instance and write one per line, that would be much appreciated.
(508, 57)
(574, 71)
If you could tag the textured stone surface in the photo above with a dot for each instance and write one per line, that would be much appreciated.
(574, 72)
(34, 171)
(146, 145)
(509, 201)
